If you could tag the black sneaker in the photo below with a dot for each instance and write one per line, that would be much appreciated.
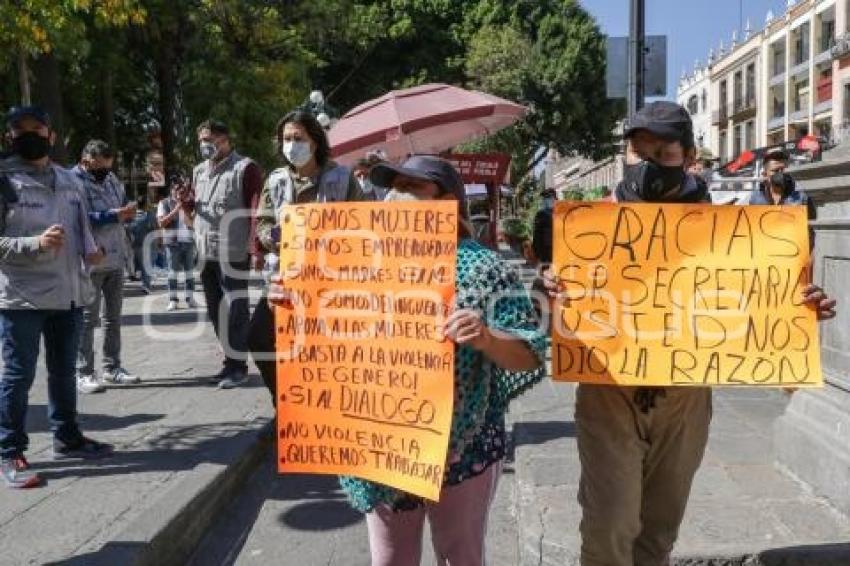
(217, 378)
(82, 448)
(233, 379)
(268, 432)
(17, 474)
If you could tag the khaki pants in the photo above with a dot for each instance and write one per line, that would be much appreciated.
(636, 471)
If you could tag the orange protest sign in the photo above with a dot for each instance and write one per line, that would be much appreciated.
(674, 294)
(365, 380)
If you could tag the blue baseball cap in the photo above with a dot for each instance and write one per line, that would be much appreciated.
(18, 113)
(424, 168)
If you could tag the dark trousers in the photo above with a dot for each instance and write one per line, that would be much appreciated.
(20, 336)
(261, 343)
(226, 294)
(140, 266)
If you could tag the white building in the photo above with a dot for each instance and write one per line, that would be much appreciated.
(694, 93)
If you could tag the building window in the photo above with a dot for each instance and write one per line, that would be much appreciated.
(801, 96)
(749, 135)
(778, 52)
(693, 105)
(738, 90)
(827, 39)
(751, 85)
(737, 140)
(723, 150)
(846, 115)
(801, 45)
(704, 100)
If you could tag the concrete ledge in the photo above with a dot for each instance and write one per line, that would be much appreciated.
(168, 531)
(815, 555)
(812, 442)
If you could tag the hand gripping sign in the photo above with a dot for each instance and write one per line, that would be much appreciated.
(365, 379)
(690, 295)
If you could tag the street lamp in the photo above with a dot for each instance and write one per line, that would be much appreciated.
(319, 107)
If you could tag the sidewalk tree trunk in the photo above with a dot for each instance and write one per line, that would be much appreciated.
(24, 78)
(48, 95)
(106, 100)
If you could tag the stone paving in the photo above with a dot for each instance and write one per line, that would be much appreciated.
(741, 504)
(164, 429)
(174, 424)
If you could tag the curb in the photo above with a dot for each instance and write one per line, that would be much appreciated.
(168, 532)
(811, 555)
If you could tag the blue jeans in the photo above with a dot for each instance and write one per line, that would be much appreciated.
(20, 335)
(181, 258)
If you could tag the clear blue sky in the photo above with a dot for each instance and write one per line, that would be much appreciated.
(692, 27)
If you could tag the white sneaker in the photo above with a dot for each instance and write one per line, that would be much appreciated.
(172, 306)
(120, 376)
(190, 303)
(88, 383)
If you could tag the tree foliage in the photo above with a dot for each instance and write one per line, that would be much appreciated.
(130, 67)
(39, 26)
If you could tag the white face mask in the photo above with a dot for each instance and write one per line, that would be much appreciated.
(208, 150)
(395, 195)
(297, 152)
(400, 196)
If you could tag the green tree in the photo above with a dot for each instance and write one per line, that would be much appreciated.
(550, 56)
(38, 32)
(366, 47)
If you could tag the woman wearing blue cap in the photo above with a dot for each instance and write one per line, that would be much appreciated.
(498, 355)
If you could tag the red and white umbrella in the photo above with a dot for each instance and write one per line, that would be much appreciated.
(427, 119)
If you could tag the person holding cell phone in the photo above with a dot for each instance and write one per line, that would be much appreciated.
(108, 211)
(46, 245)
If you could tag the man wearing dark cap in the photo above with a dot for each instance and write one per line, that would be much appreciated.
(640, 447)
(45, 243)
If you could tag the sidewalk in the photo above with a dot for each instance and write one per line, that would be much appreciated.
(175, 436)
(742, 509)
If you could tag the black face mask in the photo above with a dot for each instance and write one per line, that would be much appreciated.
(783, 180)
(99, 174)
(650, 182)
(31, 146)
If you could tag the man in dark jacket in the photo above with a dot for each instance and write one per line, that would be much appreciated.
(779, 188)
